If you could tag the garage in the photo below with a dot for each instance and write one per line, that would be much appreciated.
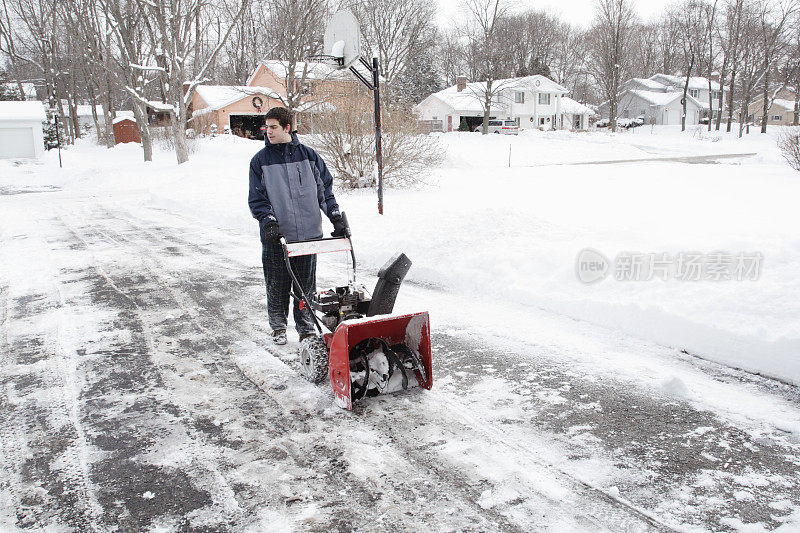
(21, 134)
(248, 125)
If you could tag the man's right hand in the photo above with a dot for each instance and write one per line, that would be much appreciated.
(270, 232)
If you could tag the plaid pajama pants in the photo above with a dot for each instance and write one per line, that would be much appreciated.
(279, 285)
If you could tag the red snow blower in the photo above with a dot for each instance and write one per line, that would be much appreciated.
(368, 351)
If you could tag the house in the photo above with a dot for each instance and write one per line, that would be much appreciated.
(780, 113)
(658, 99)
(241, 109)
(534, 102)
(21, 133)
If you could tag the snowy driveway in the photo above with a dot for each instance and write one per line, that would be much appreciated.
(137, 392)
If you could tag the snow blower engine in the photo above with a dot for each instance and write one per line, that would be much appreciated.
(367, 350)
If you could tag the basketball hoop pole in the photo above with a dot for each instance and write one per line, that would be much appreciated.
(375, 88)
(378, 147)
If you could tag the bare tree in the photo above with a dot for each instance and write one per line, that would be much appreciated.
(709, 11)
(728, 36)
(488, 57)
(691, 26)
(173, 29)
(610, 52)
(750, 61)
(395, 30)
(668, 41)
(451, 53)
(295, 34)
(773, 19)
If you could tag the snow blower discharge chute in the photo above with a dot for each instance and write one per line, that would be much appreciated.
(367, 350)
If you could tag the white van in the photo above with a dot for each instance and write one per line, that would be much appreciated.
(507, 127)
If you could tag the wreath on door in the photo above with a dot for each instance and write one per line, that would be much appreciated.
(258, 102)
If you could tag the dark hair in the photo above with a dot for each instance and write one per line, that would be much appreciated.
(281, 114)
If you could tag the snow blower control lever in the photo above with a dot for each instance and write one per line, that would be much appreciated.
(367, 351)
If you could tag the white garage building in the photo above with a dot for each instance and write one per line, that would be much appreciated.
(21, 135)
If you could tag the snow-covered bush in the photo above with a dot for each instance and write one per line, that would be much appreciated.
(346, 139)
(789, 144)
(164, 139)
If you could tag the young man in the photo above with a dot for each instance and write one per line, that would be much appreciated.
(289, 185)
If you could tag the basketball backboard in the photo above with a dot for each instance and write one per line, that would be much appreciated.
(343, 39)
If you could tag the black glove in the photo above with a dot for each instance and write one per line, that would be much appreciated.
(270, 232)
(338, 227)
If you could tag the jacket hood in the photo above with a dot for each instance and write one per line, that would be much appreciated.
(295, 141)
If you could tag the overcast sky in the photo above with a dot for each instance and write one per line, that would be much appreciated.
(577, 11)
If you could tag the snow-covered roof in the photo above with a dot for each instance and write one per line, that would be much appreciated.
(571, 107)
(786, 104)
(464, 101)
(22, 111)
(695, 82)
(219, 96)
(536, 83)
(120, 118)
(655, 98)
(652, 85)
(471, 98)
(662, 99)
(316, 71)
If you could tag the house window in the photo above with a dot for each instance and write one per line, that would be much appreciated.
(776, 117)
(519, 97)
(544, 98)
(694, 93)
(541, 121)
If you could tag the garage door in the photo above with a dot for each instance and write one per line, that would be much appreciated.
(16, 143)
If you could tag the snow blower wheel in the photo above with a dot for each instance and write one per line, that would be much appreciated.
(314, 359)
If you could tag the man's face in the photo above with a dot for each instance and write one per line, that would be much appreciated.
(276, 134)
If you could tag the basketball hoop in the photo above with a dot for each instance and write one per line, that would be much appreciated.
(342, 50)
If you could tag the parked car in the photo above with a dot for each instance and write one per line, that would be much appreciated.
(507, 127)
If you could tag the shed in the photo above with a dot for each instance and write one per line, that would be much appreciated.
(126, 130)
(21, 134)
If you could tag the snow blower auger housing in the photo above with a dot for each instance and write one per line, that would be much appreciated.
(367, 350)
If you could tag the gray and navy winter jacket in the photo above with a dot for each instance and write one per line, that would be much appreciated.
(290, 184)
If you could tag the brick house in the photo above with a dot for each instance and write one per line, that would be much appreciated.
(241, 109)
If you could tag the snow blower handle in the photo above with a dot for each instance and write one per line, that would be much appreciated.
(312, 247)
(347, 232)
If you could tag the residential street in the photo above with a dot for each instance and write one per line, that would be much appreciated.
(138, 391)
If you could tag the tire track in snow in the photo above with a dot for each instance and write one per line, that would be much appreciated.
(44, 439)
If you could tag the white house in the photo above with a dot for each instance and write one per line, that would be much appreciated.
(21, 134)
(658, 99)
(531, 101)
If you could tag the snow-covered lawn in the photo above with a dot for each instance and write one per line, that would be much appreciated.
(481, 229)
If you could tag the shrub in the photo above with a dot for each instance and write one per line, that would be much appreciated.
(789, 144)
(346, 139)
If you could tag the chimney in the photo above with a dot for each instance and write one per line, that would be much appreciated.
(461, 83)
(715, 76)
